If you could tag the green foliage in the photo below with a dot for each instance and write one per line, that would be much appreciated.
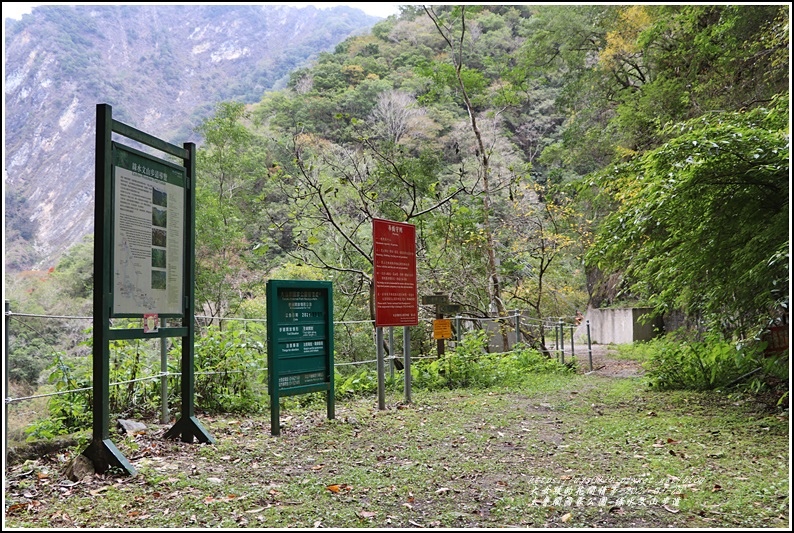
(363, 381)
(27, 365)
(19, 219)
(701, 223)
(773, 378)
(656, 65)
(455, 369)
(228, 376)
(229, 187)
(132, 360)
(445, 82)
(70, 411)
(29, 346)
(468, 365)
(704, 365)
(379, 129)
(75, 271)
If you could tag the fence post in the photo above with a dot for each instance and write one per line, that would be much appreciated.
(556, 340)
(439, 342)
(5, 377)
(562, 343)
(164, 375)
(381, 369)
(518, 327)
(572, 354)
(589, 346)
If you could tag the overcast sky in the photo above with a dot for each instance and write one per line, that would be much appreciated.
(15, 10)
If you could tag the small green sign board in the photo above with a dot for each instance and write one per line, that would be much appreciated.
(300, 342)
(435, 299)
(450, 309)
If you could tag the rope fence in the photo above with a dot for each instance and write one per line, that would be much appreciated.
(350, 339)
(545, 324)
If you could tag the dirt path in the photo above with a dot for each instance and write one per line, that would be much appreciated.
(566, 456)
(604, 362)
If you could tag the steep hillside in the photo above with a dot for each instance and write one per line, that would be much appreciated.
(162, 68)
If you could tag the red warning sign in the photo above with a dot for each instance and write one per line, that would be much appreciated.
(394, 250)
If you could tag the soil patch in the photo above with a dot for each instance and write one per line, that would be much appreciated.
(606, 364)
(592, 450)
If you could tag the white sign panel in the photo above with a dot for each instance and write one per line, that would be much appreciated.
(148, 241)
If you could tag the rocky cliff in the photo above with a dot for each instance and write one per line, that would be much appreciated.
(163, 68)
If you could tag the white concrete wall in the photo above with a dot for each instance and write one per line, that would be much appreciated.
(495, 344)
(616, 326)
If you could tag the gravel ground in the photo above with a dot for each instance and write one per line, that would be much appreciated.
(604, 362)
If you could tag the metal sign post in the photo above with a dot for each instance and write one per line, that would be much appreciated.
(144, 225)
(380, 369)
(407, 364)
(438, 299)
(562, 342)
(589, 347)
(300, 342)
(395, 295)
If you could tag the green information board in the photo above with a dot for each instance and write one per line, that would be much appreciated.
(300, 342)
(144, 267)
(148, 239)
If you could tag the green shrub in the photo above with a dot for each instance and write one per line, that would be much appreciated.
(227, 376)
(70, 411)
(468, 365)
(364, 381)
(773, 377)
(704, 365)
(130, 361)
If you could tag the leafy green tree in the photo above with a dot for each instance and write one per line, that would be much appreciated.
(228, 166)
(542, 265)
(20, 229)
(633, 71)
(701, 222)
(335, 191)
(75, 272)
(678, 62)
(64, 290)
(470, 83)
(563, 43)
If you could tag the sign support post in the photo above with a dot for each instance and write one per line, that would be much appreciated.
(300, 342)
(441, 327)
(407, 364)
(395, 296)
(188, 425)
(439, 340)
(102, 452)
(381, 369)
(144, 225)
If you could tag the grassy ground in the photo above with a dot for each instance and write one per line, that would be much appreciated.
(560, 451)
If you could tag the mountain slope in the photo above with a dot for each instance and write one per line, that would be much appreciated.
(162, 68)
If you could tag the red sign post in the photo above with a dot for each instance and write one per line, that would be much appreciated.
(394, 253)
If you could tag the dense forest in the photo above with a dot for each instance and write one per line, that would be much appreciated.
(551, 158)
